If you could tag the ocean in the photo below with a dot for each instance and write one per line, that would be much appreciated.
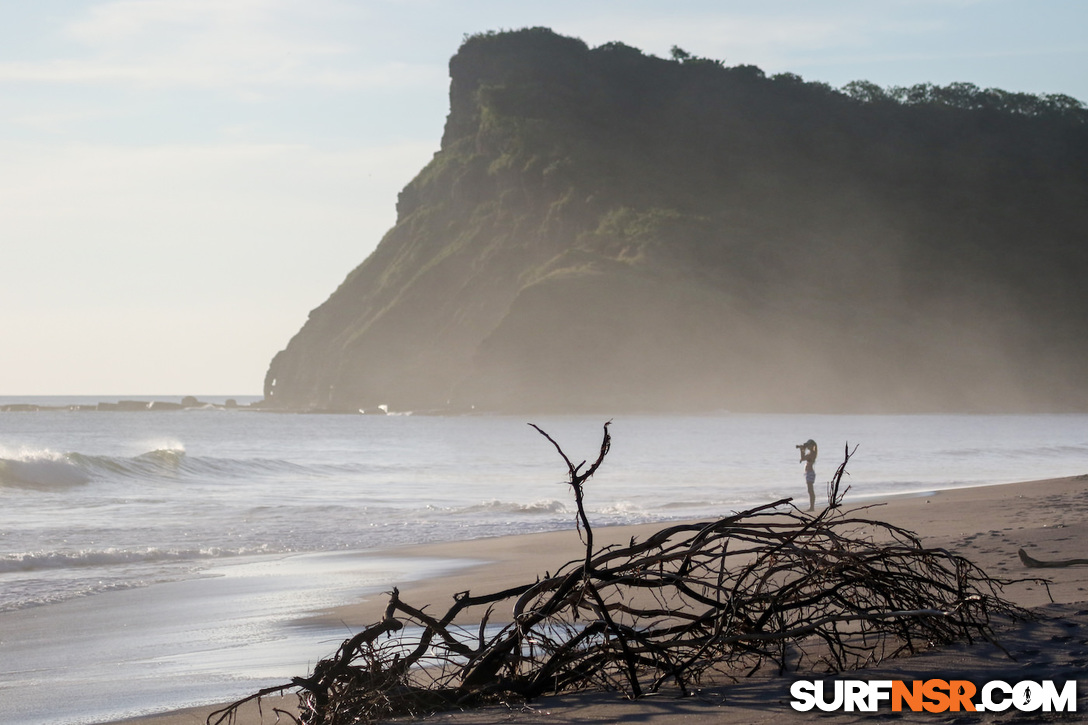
(161, 559)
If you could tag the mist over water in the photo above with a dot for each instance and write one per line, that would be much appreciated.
(105, 500)
(229, 510)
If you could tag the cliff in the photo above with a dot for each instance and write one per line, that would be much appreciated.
(605, 231)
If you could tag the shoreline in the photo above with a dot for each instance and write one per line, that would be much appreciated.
(986, 524)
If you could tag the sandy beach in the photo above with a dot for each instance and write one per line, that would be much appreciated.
(988, 525)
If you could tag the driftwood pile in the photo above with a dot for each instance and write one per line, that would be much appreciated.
(768, 587)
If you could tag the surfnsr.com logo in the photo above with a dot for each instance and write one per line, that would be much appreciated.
(933, 696)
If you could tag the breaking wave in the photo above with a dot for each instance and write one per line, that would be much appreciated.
(41, 470)
(46, 470)
(549, 506)
(46, 560)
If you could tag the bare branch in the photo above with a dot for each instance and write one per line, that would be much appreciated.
(767, 587)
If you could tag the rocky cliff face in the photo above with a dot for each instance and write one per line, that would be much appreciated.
(606, 231)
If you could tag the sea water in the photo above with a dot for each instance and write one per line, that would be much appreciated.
(154, 560)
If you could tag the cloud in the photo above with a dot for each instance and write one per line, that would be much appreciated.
(216, 44)
(211, 72)
(281, 32)
(223, 201)
(58, 120)
(771, 38)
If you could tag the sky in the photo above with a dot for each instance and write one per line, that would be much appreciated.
(182, 181)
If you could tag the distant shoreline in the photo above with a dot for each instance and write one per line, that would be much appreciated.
(126, 403)
(256, 403)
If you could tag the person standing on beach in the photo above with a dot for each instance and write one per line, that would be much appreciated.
(808, 457)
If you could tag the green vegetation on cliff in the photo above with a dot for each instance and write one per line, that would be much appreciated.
(605, 230)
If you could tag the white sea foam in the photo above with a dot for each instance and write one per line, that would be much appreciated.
(43, 560)
(623, 508)
(101, 502)
(496, 506)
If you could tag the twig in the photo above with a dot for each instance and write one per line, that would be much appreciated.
(765, 587)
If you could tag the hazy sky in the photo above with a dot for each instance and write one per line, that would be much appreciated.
(182, 181)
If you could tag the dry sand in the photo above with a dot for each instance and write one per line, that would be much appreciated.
(985, 524)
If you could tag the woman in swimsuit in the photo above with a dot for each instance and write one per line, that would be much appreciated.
(808, 457)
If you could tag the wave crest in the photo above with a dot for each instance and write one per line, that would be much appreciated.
(42, 560)
(153, 463)
(544, 506)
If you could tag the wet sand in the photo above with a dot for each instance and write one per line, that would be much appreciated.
(1049, 519)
